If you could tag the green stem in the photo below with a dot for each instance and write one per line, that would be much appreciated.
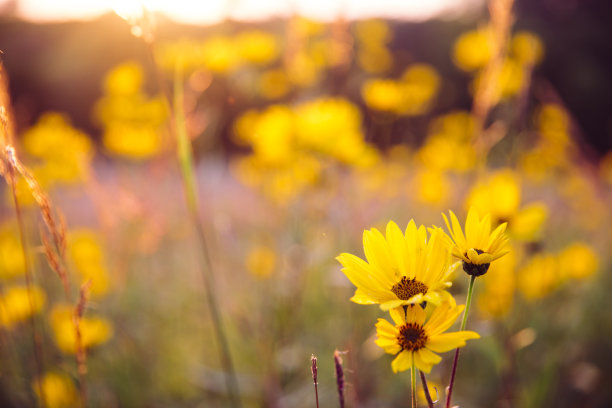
(468, 302)
(185, 158)
(413, 383)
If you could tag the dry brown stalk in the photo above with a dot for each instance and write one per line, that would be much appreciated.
(339, 377)
(484, 98)
(315, 371)
(81, 354)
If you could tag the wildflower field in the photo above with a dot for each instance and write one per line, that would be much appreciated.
(299, 213)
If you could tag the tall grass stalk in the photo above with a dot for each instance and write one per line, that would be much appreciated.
(36, 337)
(185, 158)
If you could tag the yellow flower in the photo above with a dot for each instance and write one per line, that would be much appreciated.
(65, 151)
(415, 341)
(381, 94)
(256, 47)
(11, 255)
(497, 296)
(499, 194)
(59, 391)
(432, 186)
(94, 330)
(260, 262)
(527, 48)
(219, 54)
(479, 246)
(578, 261)
(401, 269)
(16, 305)
(473, 49)
(86, 251)
(273, 84)
(539, 277)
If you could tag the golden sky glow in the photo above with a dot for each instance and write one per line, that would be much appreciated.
(211, 11)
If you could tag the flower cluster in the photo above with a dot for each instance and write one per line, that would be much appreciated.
(407, 273)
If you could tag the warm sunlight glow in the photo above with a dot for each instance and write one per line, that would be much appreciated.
(211, 11)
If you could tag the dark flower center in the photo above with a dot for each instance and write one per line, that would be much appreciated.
(473, 269)
(407, 288)
(412, 337)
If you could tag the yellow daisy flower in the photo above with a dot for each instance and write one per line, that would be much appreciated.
(414, 340)
(479, 246)
(401, 269)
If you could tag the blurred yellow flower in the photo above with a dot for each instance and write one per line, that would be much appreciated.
(415, 340)
(499, 194)
(372, 32)
(578, 261)
(479, 246)
(256, 47)
(539, 277)
(473, 49)
(16, 305)
(133, 123)
(184, 54)
(527, 224)
(497, 296)
(432, 186)
(65, 151)
(527, 48)
(11, 255)
(58, 389)
(94, 330)
(382, 94)
(87, 254)
(509, 81)
(401, 269)
(411, 95)
(449, 143)
(273, 84)
(220, 55)
(376, 60)
(125, 79)
(261, 261)
(420, 83)
(302, 70)
(435, 389)
(444, 153)
(554, 125)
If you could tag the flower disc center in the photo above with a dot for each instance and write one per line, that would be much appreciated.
(407, 288)
(412, 337)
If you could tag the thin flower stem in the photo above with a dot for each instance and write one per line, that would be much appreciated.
(430, 403)
(185, 158)
(36, 338)
(413, 383)
(468, 302)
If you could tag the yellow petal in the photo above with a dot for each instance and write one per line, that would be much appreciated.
(402, 362)
(448, 341)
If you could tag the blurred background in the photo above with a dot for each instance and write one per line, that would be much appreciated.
(309, 122)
